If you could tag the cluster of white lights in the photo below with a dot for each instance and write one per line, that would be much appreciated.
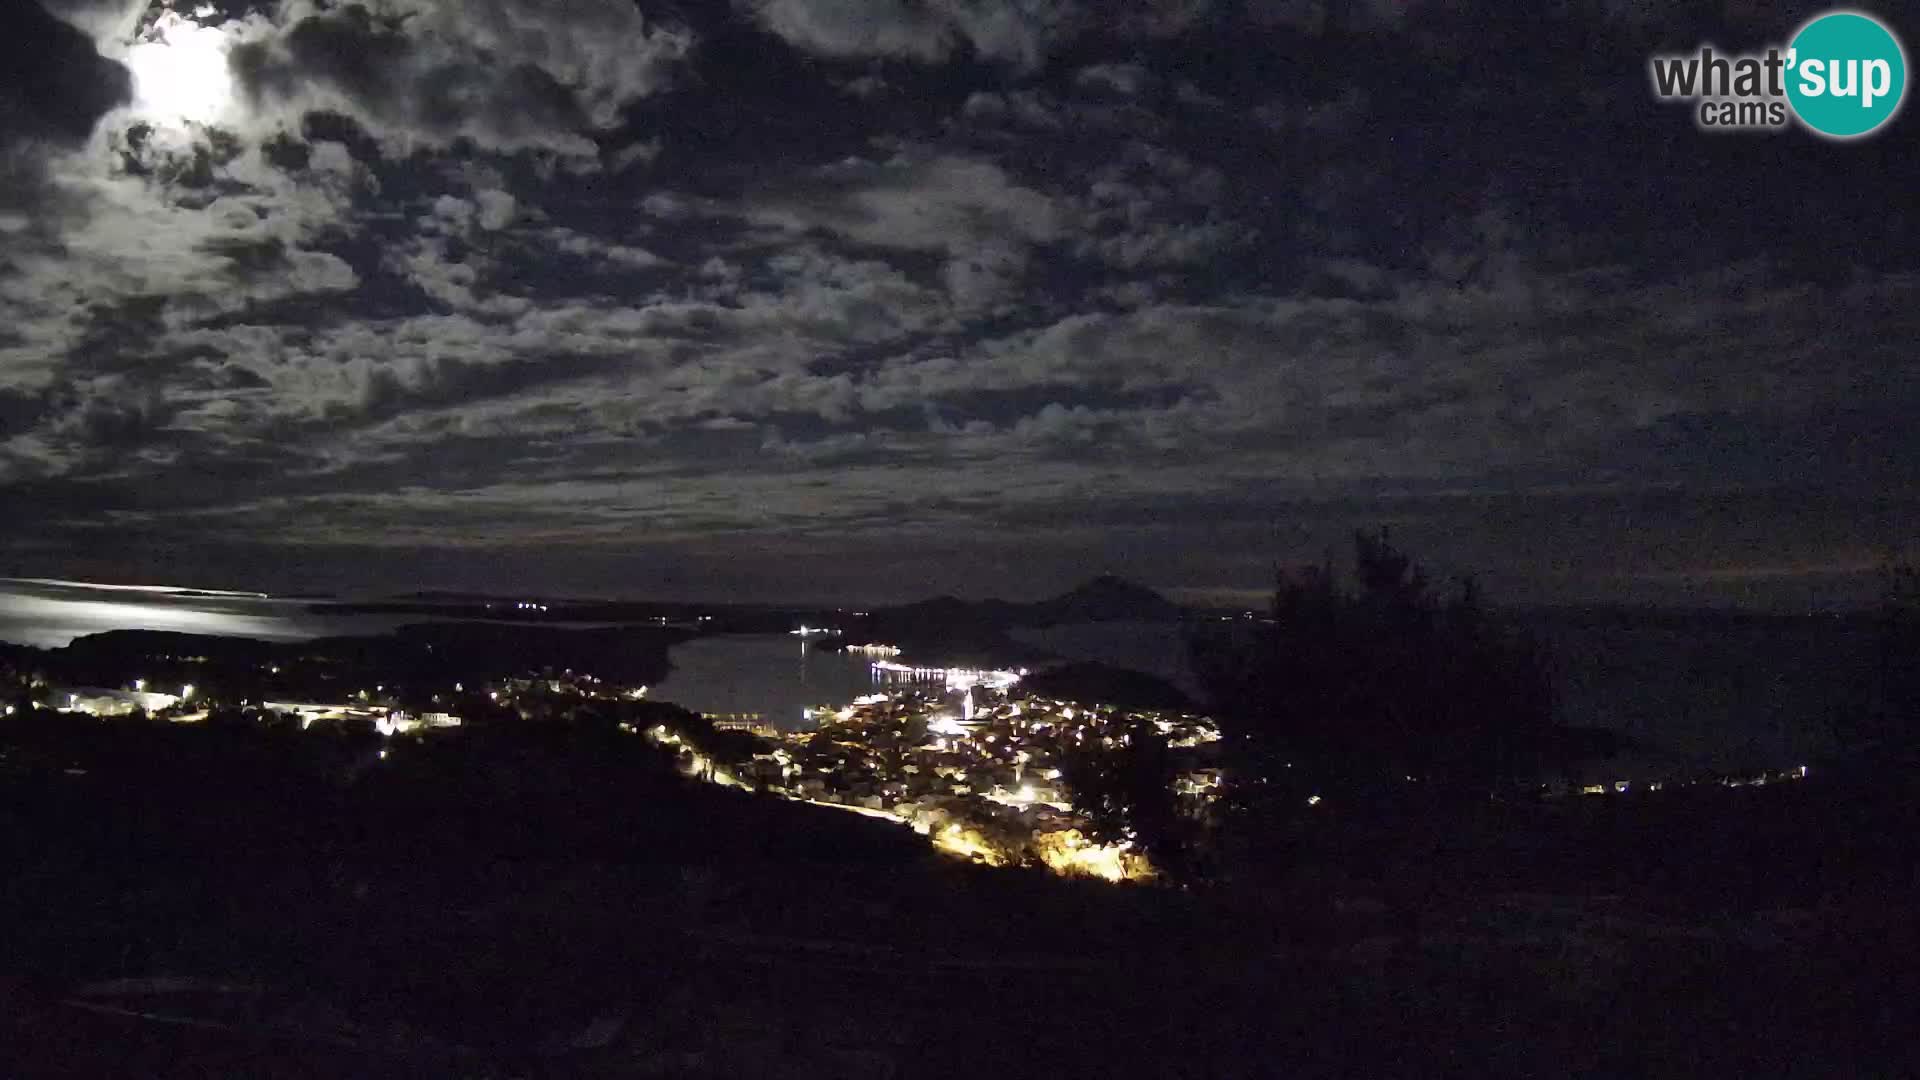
(955, 678)
(871, 649)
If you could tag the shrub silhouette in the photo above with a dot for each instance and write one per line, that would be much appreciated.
(1356, 694)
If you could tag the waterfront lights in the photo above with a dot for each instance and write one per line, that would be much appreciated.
(954, 678)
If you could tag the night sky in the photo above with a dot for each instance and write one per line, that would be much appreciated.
(865, 300)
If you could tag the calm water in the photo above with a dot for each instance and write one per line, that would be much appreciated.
(51, 615)
(1155, 648)
(1727, 694)
(1721, 694)
(1707, 693)
(776, 675)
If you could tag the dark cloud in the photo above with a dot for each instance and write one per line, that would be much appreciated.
(1015, 32)
(908, 297)
(503, 74)
(54, 87)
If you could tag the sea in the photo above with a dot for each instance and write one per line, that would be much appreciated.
(776, 677)
(1708, 692)
(1700, 691)
(50, 614)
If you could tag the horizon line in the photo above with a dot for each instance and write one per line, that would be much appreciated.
(163, 589)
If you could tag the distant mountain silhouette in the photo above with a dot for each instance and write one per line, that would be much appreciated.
(422, 654)
(948, 627)
(1104, 599)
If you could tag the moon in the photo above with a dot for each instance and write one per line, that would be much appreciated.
(180, 73)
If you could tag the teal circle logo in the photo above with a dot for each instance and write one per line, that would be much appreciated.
(1846, 74)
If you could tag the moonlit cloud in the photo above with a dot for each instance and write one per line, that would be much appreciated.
(913, 297)
(180, 72)
(506, 75)
(1017, 32)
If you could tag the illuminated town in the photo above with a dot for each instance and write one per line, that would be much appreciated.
(964, 758)
(961, 755)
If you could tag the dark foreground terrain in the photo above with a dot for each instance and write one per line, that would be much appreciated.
(181, 901)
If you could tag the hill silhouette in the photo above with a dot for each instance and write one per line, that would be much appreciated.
(954, 629)
(426, 657)
(1106, 598)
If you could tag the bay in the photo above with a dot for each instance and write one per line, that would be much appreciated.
(774, 675)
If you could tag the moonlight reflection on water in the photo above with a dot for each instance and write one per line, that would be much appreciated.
(50, 614)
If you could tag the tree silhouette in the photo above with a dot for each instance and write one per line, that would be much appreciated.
(1893, 721)
(1352, 694)
(1126, 794)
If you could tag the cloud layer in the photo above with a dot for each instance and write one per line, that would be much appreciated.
(874, 298)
